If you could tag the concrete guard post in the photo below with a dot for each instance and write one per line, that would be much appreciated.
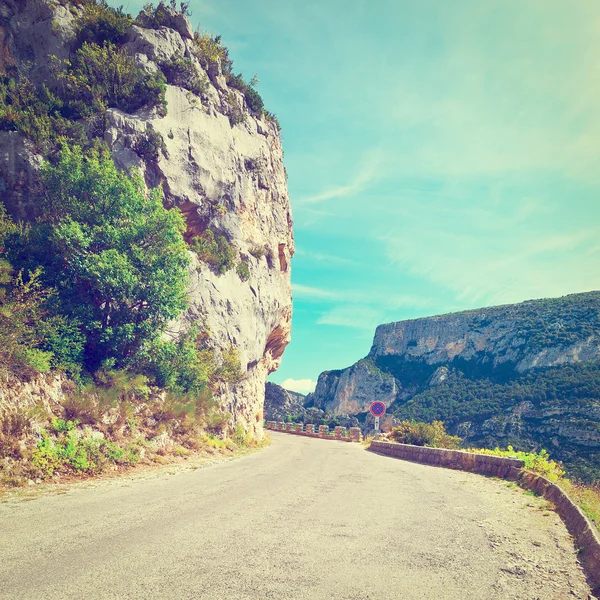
(323, 431)
(310, 428)
(291, 427)
(339, 432)
(298, 427)
(355, 434)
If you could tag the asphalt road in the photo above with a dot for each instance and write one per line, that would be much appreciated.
(303, 518)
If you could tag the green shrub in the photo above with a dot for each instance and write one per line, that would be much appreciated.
(272, 118)
(242, 270)
(233, 110)
(210, 51)
(101, 23)
(183, 73)
(230, 369)
(424, 434)
(181, 366)
(215, 251)
(45, 456)
(101, 77)
(72, 451)
(150, 145)
(539, 462)
(21, 309)
(254, 100)
(35, 112)
(155, 17)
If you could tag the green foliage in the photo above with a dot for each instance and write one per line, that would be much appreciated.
(101, 77)
(64, 341)
(32, 339)
(254, 100)
(183, 73)
(272, 118)
(114, 254)
(182, 366)
(424, 434)
(241, 437)
(539, 462)
(150, 145)
(36, 113)
(70, 450)
(242, 270)
(234, 111)
(215, 251)
(155, 17)
(210, 51)
(230, 369)
(21, 309)
(102, 23)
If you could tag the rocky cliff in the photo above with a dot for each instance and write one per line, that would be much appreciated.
(215, 158)
(526, 374)
(281, 404)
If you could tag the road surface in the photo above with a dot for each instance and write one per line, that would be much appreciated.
(303, 518)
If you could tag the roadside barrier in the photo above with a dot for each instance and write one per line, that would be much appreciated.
(322, 432)
(585, 536)
(499, 466)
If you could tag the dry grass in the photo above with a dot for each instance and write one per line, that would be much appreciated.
(587, 497)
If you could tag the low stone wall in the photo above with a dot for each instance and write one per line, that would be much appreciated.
(322, 431)
(578, 525)
(508, 468)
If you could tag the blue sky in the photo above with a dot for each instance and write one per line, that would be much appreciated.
(441, 155)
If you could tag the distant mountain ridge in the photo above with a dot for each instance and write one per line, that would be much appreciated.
(527, 374)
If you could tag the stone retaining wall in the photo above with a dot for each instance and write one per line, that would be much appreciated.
(508, 468)
(322, 431)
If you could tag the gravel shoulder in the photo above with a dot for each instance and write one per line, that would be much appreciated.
(302, 518)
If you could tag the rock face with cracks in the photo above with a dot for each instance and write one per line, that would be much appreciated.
(221, 164)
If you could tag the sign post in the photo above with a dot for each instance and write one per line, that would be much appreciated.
(377, 409)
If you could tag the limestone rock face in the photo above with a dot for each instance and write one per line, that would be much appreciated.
(223, 173)
(502, 333)
(408, 356)
(281, 403)
(351, 391)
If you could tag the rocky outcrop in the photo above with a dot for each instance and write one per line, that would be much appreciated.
(538, 333)
(351, 391)
(222, 173)
(281, 403)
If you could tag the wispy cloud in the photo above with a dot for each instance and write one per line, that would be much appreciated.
(307, 291)
(325, 258)
(367, 175)
(302, 386)
(353, 316)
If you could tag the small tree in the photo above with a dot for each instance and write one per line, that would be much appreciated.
(115, 255)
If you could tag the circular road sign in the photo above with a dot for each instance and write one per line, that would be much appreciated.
(377, 409)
